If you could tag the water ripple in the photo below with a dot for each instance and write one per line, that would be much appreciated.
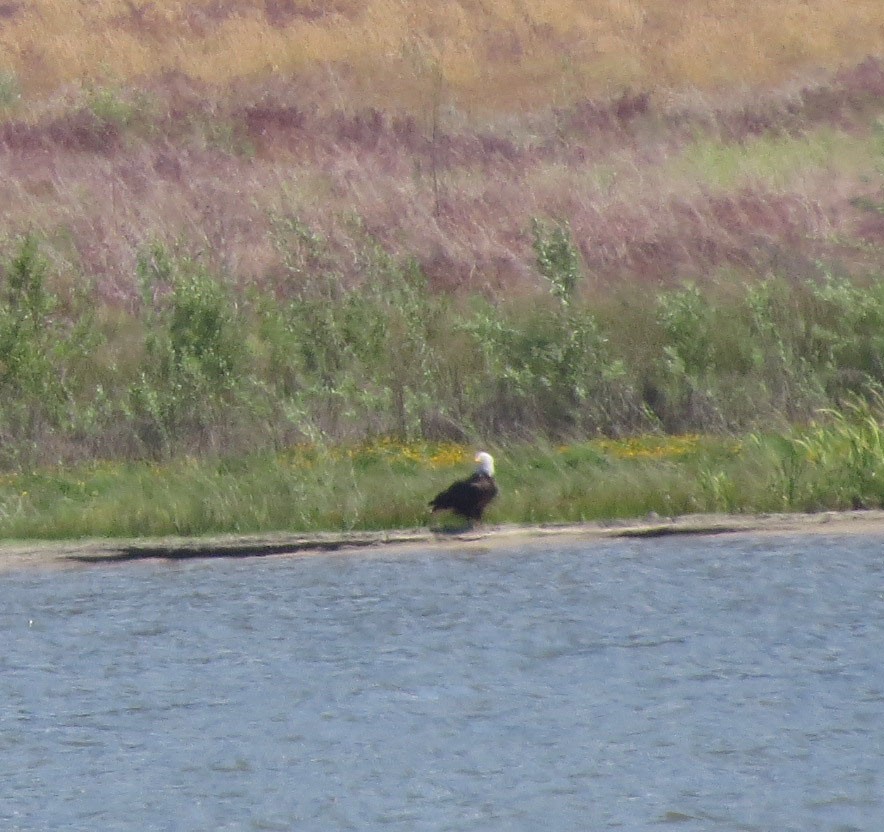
(704, 684)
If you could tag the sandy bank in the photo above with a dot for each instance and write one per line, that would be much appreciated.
(60, 554)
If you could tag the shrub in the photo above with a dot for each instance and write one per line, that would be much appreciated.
(201, 368)
(194, 356)
(687, 364)
(790, 378)
(32, 395)
(359, 360)
(847, 336)
(547, 365)
(557, 259)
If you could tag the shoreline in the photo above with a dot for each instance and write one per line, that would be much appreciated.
(94, 552)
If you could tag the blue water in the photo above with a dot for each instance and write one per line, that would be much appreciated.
(715, 683)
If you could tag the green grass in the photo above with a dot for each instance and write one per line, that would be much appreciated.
(776, 161)
(836, 464)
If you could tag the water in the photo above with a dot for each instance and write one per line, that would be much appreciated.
(717, 683)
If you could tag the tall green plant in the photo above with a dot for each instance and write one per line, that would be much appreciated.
(688, 363)
(558, 259)
(849, 449)
(778, 328)
(32, 349)
(687, 321)
(548, 364)
(194, 353)
(847, 337)
(354, 358)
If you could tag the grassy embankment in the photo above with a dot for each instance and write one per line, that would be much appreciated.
(385, 485)
(505, 247)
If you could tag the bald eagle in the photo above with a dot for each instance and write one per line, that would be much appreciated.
(469, 497)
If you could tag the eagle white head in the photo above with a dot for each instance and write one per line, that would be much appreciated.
(486, 463)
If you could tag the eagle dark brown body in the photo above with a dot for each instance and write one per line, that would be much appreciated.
(470, 497)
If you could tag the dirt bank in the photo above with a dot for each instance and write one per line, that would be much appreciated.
(68, 554)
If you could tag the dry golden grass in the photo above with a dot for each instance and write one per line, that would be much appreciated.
(499, 53)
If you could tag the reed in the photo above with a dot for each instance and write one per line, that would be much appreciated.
(836, 464)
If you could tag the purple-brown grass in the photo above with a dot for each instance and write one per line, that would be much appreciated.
(208, 169)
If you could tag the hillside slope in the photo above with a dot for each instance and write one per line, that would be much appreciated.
(499, 53)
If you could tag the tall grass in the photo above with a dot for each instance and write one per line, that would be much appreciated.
(654, 192)
(499, 52)
(776, 160)
(837, 463)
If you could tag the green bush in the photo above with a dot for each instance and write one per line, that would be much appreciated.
(350, 359)
(547, 368)
(36, 345)
(194, 355)
(202, 367)
(557, 259)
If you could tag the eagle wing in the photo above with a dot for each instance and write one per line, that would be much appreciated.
(467, 497)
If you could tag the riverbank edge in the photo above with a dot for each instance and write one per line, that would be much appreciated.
(42, 553)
